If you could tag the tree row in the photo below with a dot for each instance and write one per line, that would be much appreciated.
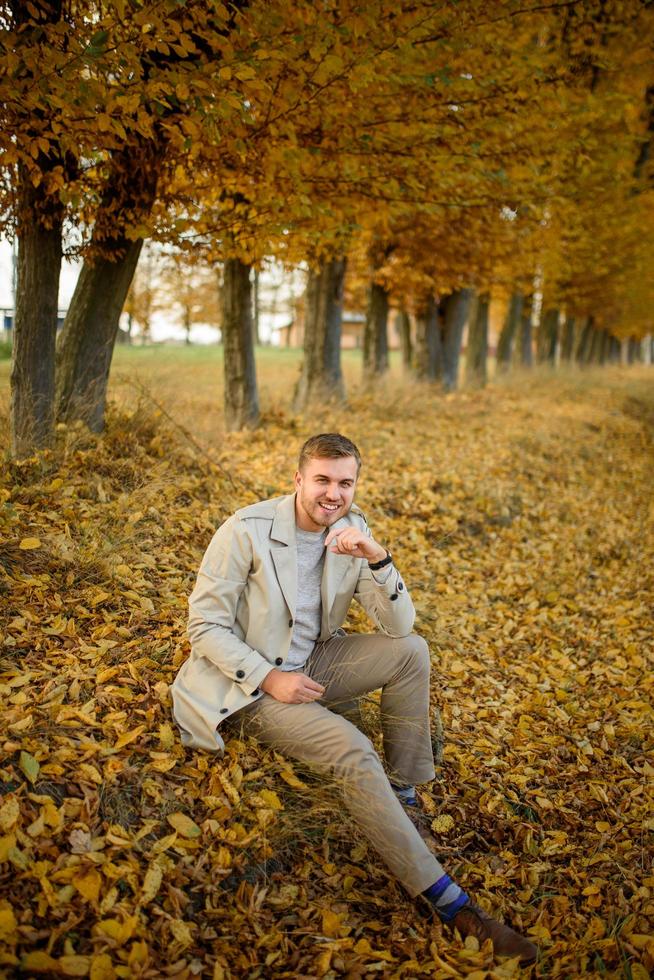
(441, 150)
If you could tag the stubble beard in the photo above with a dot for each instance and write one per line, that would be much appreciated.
(320, 517)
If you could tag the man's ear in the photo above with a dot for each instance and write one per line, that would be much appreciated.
(297, 479)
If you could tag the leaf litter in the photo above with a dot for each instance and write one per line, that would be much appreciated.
(522, 519)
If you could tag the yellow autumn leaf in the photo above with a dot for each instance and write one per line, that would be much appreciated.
(119, 931)
(183, 825)
(89, 772)
(332, 924)
(163, 765)
(289, 777)
(8, 923)
(151, 883)
(29, 766)
(37, 826)
(322, 962)
(9, 813)
(89, 884)
(74, 966)
(181, 932)
(138, 954)
(442, 824)
(102, 968)
(29, 544)
(271, 799)
(51, 815)
(164, 843)
(166, 736)
(128, 737)
(38, 962)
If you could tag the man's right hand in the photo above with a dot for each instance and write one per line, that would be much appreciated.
(291, 687)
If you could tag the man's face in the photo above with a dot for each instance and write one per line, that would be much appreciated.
(325, 491)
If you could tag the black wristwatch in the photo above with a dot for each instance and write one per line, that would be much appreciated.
(375, 566)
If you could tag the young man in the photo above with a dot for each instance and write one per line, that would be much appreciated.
(273, 591)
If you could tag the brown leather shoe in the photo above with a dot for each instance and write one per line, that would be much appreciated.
(473, 921)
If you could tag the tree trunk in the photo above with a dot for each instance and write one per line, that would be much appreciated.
(605, 346)
(456, 308)
(477, 350)
(321, 378)
(585, 341)
(548, 335)
(39, 223)
(428, 354)
(595, 347)
(614, 351)
(403, 328)
(86, 343)
(256, 338)
(241, 397)
(633, 351)
(526, 335)
(35, 325)
(375, 333)
(568, 339)
(509, 331)
(187, 324)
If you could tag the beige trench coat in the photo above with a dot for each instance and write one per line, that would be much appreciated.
(243, 606)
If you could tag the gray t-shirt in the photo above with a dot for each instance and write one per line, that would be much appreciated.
(308, 607)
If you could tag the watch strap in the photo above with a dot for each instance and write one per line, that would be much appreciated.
(375, 566)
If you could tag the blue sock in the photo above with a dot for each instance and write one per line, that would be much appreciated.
(446, 897)
(406, 794)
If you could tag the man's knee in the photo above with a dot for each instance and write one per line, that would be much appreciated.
(417, 650)
(354, 752)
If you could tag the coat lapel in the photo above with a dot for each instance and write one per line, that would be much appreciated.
(283, 553)
(332, 575)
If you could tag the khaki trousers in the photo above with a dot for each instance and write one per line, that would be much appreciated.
(349, 666)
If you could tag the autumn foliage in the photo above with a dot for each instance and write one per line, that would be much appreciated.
(442, 147)
(522, 519)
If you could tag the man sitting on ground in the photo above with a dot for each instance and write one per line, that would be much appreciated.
(272, 594)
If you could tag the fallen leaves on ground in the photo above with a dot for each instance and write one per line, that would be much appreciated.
(522, 519)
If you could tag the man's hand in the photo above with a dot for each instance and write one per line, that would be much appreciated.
(352, 541)
(291, 687)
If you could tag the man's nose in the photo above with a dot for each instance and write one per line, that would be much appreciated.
(333, 491)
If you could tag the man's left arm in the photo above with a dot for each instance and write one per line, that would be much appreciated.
(381, 591)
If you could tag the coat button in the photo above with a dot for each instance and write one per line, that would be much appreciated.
(394, 597)
(279, 660)
(240, 674)
(290, 622)
(254, 693)
(400, 586)
(224, 711)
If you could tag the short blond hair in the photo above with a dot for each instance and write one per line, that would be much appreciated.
(328, 445)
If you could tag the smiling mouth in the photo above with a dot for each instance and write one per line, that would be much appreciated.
(330, 507)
